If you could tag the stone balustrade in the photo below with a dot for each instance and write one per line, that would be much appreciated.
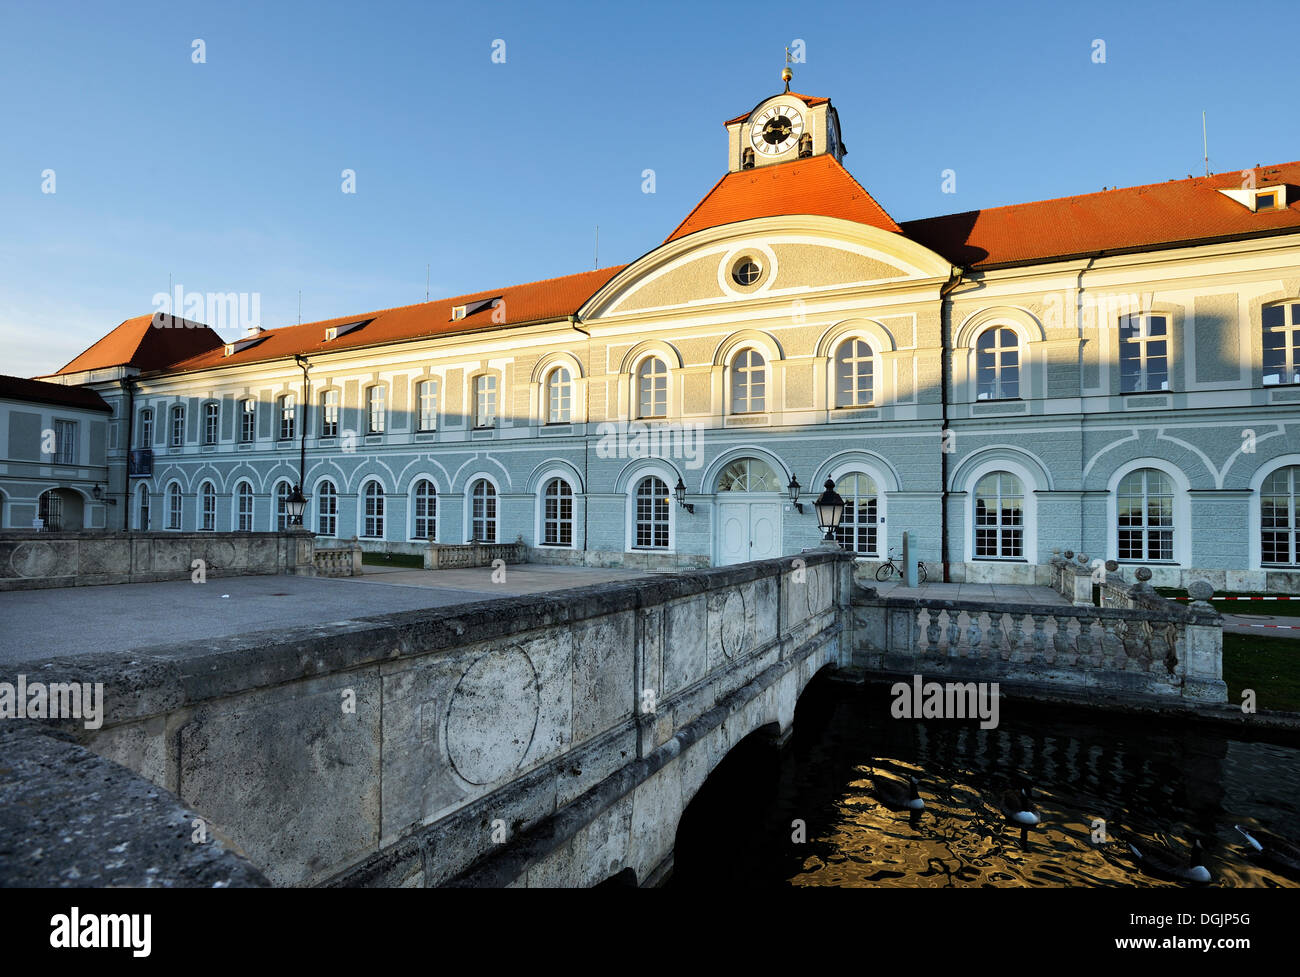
(460, 556)
(338, 561)
(1155, 649)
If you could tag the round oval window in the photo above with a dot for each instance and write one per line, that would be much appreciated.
(746, 271)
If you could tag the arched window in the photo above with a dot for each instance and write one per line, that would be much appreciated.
(208, 507)
(426, 510)
(427, 393)
(749, 475)
(748, 382)
(373, 497)
(1143, 353)
(49, 509)
(1279, 501)
(282, 493)
(652, 388)
(375, 413)
(485, 400)
(175, 506)
(747, 159)
(853, 374)
(483, 519)
(211, 415)
(997, 365)
(557, 514)
(142, 508)
(1281, 324)
(805, 146)
(651, 514)
(327, 509)
(244, 508)
(286, 413)
(329, 414)
(857, 530)
(559, 396)
(1145, 504)
(999, 517)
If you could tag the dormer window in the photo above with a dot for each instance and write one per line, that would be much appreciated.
(1262, 199)
(343, 328)
(1266, 201)
(469, 308)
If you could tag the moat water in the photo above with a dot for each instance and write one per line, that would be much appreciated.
(1152, 781)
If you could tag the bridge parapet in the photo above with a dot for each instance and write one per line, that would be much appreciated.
(554, 739)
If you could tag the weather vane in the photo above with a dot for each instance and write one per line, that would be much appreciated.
(786, 73)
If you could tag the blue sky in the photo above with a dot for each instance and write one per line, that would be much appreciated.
(227, 175)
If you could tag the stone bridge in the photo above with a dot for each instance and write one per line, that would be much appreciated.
(546, 741)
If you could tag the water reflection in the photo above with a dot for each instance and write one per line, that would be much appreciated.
(1148, 781)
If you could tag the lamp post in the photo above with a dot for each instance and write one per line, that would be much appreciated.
(296, 504)
(680, 489)
(794, 493)
(830, 510)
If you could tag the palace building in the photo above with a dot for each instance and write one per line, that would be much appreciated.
(1116, 373)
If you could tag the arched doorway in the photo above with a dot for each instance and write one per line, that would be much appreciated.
(60, 510)
(749, 499)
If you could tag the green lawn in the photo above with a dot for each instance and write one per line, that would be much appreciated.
(1270, 666)
(393, 560)
(1281, 608)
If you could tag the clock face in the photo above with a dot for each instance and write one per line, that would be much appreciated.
(776, 130)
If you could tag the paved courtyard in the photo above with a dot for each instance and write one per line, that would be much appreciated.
(40, 624)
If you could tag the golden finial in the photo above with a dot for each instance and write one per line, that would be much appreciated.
(786, 73)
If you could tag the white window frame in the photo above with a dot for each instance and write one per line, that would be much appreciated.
(237, 516)
(742, 381)
(471, 518)
(1290, 331)
(247, 420)
(1257, 515)
(559, 395)
(143, 508)
(376, 408)
(1182, 512)
(287, 412)
(484, 387)
(211, 422)
(998, 357)
(65, 442)
(146, 427)
(542, 517)
(644, 377)
(175, 507)
(426, 393)
(630, 518)
(1142, 339)
(333, 517)
(998, 526)
(177, 439)
(413, 529)
(280, 495)
(207, 522)
(330, 401)
(852, 397)
(1030, 484)
(363, 510)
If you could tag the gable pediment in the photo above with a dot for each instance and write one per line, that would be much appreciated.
(794, 256)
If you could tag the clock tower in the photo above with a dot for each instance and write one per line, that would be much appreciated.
(784, 127)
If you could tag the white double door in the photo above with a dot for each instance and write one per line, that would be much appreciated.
(748, 530)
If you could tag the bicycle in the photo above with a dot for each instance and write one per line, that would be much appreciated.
(889, 568)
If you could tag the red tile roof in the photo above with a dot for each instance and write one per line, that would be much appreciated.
(553, 298)
(41, 392)
(134, 343)
(1128, 219)
(808, 100)
(817, 185)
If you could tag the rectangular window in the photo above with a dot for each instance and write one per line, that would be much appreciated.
(146, 428)
(485, 401)
(65, 437)
(428, 392)
(211, 413)
(1144, 353)
(375, 410)
(327, 509)
(1281, 343)
(287, 413)
(329, 405)
(178, 426)
(247, 420)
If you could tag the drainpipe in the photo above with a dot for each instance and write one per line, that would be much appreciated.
(945, 375)
(586, 434)
(302, 428)
(128, 384)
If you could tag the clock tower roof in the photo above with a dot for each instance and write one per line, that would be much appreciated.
(819, 185)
